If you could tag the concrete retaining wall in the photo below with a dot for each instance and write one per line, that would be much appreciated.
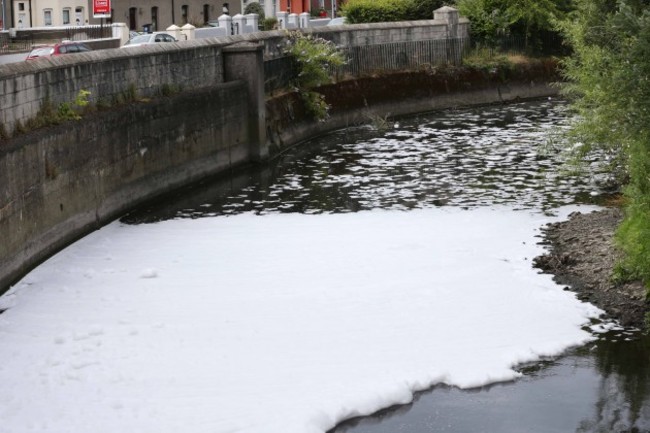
(107, 74)
(63, 182)
(146, 70)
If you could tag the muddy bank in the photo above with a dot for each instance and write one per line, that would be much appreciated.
(582, 256)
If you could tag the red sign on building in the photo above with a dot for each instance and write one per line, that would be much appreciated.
(101, 8)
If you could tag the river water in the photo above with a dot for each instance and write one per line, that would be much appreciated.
(489, 156)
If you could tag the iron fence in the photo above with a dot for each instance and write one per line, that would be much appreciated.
(279, 73)
(395, 56)
(371, 59)
(545, 43)
(15, 45)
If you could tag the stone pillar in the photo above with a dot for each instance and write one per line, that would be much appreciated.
(283, 18)
(293, 21)
(175, 31)
(245, 62)
(225, 22)
(450, 16)
(121, 32)
(253, 21)
(238, 23)
(304, 20)
(188, 31)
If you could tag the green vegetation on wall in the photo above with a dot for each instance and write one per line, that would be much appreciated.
(314, 57)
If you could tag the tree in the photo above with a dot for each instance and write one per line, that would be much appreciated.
(376, 11)
(609, 80)
(491, 20)
(255, 8)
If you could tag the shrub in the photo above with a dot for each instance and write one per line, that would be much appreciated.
(375, 11)
(269, 23)
(314, 57)
(255, 8)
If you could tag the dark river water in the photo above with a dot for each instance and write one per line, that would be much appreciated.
(502, 155)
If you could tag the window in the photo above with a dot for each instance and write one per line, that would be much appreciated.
(154, 19)
(185, 10)
(47, 17)
(206, 14)
(132, 18)
(21, 6)
(66, 16)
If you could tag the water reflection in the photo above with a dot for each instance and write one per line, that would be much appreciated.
(478, 157)
(466, 158)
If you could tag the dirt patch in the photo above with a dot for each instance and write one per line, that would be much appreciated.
(582, 256)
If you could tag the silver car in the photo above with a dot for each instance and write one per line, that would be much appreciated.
(148, 39)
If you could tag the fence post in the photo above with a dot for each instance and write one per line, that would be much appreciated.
(450, 16)
(282, 19)
(120, 31)
(225, 21)
(304, 20)
(175, 31)
(238, 22)
(253, 20)
(245, 62)
(188, 30)
(293, 21)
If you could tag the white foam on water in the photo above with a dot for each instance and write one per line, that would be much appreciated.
(282, 323)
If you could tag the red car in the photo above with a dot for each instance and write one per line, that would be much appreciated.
(57, 49)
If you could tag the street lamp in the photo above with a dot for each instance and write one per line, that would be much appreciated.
(225, 9)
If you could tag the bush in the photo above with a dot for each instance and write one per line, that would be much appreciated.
(255, 8)
(269, 23)
(377, 11)
(314, 57)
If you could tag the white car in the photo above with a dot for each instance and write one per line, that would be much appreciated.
(148, 39)
(337, 21)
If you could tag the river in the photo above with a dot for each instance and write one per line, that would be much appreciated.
(473, 157)
(380, 274)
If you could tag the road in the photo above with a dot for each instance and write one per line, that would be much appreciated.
(12, 58)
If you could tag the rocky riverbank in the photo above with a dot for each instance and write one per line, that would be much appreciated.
(582, 256)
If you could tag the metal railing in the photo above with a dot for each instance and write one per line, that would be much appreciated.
(395, 56)
(15, 45)
(279, 73)
(371, 59)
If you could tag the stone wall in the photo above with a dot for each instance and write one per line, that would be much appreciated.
(62, 182)
(107, 74)
(191, 64)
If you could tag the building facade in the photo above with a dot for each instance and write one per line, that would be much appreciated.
(315, 7)
(155, 14)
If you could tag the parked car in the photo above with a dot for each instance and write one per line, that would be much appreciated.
(57, 49)
(337, 21)
(148, 39)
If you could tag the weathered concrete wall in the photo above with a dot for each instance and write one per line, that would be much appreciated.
(107, 74)
(146, 70)
(361, 100)
(380, 33)
(62, 182)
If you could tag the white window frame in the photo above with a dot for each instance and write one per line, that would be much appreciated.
(69, 20)
(47, 13)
